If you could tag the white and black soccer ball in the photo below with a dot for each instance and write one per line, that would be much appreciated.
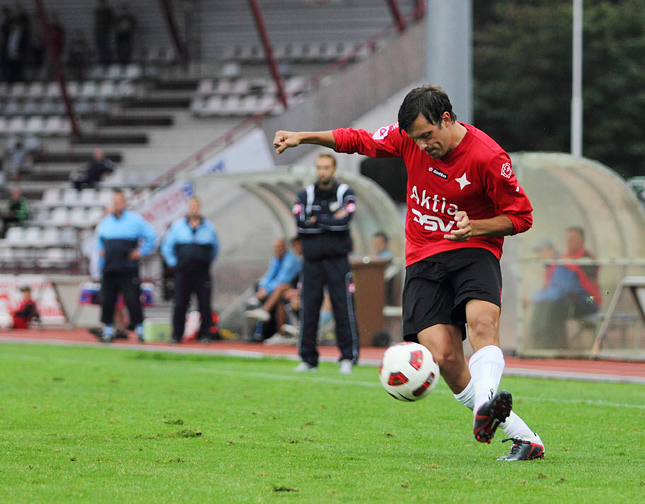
(408, 371)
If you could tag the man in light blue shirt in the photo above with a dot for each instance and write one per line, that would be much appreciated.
(122, 239)
(381, 245)
(190, 247)
(284, 269)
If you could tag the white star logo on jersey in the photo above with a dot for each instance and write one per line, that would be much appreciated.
(463, 181)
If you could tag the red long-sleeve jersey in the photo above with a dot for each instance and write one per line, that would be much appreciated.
(476, 177)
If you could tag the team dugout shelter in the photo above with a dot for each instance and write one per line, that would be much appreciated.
(251, 209)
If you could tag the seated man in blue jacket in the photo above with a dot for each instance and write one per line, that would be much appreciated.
(191, 246)
(284, 269)
(570, 291)
(123, 238)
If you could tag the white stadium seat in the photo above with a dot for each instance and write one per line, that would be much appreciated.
(88, 196)
(70, 196)
(51, 236)
(78, 216)
(59, 216)
(15, 236)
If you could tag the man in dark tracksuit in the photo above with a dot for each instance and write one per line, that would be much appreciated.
(323, 213)
(190, 246)
(123, 238)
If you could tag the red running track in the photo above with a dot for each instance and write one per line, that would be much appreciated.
(579, 369)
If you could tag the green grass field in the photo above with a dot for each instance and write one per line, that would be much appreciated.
(106, 425)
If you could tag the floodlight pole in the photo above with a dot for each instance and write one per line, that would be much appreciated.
(268, 51)
(58, 73)
(450, 65)
(576, 77)
(396, 13)
(166, 7)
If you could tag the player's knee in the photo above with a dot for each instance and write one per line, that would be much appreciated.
(454, 369)
(448, 358)
(484, 325)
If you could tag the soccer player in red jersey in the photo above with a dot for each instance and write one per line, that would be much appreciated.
(462, 198)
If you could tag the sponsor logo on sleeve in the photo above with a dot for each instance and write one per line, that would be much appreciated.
(507, 171)
(383, 132)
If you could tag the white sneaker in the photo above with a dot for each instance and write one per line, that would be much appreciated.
(303, 367)
(278, 339)
(289, 330)
(345, 366)
(258, 314)
(253, 302)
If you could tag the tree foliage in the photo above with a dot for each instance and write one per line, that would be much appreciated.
(522, 70)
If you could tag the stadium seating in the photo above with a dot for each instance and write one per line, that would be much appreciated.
(59, 216)
(240, 97)
(297, 52)
(29, 108)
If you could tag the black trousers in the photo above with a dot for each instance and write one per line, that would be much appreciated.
(336, 275)
(187, 281)
(128, 284)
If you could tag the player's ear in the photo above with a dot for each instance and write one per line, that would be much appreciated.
(446, 120)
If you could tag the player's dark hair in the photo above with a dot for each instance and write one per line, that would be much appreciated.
(431, 101)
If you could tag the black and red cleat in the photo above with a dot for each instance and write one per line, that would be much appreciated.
(491, 414)
(523, 450)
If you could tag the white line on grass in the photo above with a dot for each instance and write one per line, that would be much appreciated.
(509, 371)
(337, 381)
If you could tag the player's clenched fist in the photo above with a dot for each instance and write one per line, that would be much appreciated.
(464, 229)
(285, 139)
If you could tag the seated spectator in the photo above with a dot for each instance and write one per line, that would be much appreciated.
(570, 291)
(17, 211)
(26, 312)
(20, 160)
(381, 245)
(282, 274)
(291, 302)
(95, 171)
(289, 331)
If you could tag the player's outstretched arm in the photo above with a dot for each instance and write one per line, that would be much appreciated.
(285, 139)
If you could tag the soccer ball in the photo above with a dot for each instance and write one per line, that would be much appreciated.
(408, 371)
